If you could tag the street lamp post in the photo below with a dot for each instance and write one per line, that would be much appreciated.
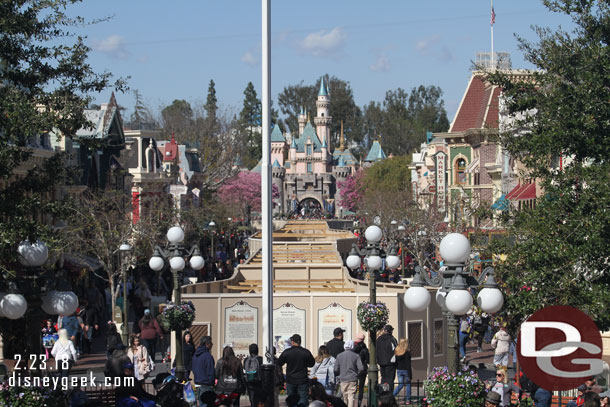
(374, 262)
(124, 250)
(454, 296)
(212, 225)
(175, 254)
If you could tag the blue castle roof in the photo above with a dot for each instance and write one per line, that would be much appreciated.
(276, 135)
(323, 90)
(375, 153)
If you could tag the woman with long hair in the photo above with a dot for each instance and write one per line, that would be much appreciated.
(139, 357)
(403, 369)
(149, 331)
(230, 375)
(324, 369)
(188, 350)
(317, 392)
(64, 353)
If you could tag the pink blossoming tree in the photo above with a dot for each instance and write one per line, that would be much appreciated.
(242, 190)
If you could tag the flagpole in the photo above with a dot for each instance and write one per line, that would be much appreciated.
(492, 33)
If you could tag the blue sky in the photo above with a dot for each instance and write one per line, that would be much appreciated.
(171, 50)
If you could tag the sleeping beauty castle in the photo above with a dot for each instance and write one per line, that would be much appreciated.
(306, 168)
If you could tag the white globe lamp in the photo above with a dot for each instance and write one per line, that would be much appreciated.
(177, 263)
(373, 234)
(33, 254)
(417, 299)
(13, 306)
(2, 294)
(175, 234)
(197, 262)
(125, 247)
(156, 263)
(373, 262)
(440, 298)
(458, 302)
(401, 228)
(455, 248)
(48, 303)
(490, 300)
(65, 302)
(353, 261)
(392, 261)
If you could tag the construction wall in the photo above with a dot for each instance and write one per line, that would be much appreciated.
(236, 319)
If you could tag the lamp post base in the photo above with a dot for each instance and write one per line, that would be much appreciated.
(373, 374)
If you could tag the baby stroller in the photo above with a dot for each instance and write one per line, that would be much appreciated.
(170, 392)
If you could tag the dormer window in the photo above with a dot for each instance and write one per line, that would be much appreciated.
(309, 149)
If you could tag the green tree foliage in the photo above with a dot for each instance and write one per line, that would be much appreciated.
(560, 254)
(45, 80)
(141, 118)
(250, 119)
(342, 107)
(211, 124)
(178, 118)
(392, 174)
(408, 116)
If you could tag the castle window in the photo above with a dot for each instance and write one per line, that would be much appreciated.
(309, 149)
(309, 168)
(460, 171)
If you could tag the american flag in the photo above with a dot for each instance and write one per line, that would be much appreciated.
(493, 16)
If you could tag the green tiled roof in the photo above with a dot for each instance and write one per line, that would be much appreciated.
(308, 133)
(276, 135)
(348, 157)
(375, 153)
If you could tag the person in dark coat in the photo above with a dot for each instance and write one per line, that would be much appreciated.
(113, 339)
(188, 350)
(203, 366)
(403, 367)
(132, 389)
(386, 344)
(297, 359)
(335, 345)
(114, 365)
(230, 375)
(361, 349)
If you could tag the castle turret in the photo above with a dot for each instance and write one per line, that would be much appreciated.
(292, 155)
(322, 119)
(277, 178)
(302, 121)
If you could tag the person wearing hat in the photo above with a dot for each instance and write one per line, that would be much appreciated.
(362, 351)
(347, 367)
(297, 359)
(335, 345)
(149, 331)
(492, 399)
(386, 345)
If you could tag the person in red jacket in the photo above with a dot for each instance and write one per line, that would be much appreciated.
(149, 332)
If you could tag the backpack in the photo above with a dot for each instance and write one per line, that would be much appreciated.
(252, 368)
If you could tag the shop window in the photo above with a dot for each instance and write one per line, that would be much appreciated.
(460, 171)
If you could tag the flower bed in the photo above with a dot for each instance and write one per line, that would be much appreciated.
(372, 317)
(179, 317)
(31, 397)
(444, 389)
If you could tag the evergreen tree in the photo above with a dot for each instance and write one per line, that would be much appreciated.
(211, 103)
(561, 114)
(250, 119)
(45, 82)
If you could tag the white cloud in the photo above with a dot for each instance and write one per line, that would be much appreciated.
(113, 46)
(324, 43)
(382, 64)
(425, 45)
(446, 54)
(249, 58)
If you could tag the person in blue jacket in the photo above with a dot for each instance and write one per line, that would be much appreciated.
(203, 366)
